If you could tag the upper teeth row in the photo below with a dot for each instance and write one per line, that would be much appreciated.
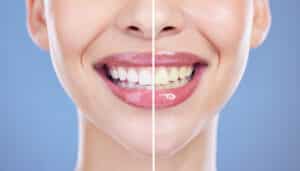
(143, 75)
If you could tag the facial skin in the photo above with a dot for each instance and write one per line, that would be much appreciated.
(81, 32)
(78, 32)
(222, 32)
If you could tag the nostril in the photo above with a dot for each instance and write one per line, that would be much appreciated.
(168, 28)
(133, 28)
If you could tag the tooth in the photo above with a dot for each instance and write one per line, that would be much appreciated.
(175, 84)
(141, 78)
(114, 73)
(122, 73)
(161, 76)
(132, 75)
(122, 84)
(167, 86)
(130, 85)
(173, 74)
(189, 71)
(182, 72)
(149, 87)
(182, 82)
(145, 77)
(138, 86)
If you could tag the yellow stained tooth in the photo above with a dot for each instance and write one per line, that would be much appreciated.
(183, 81)
(173, 74)
(182, 72)
(161, 76)
(189, 71)
(175, 84)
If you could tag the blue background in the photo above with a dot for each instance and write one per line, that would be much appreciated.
(258, 128)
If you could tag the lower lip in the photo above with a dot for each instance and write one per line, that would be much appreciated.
(164, 98)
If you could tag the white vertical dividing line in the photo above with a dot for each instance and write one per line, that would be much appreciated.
(153, 83)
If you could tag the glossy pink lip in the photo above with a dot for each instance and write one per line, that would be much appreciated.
(143, 97)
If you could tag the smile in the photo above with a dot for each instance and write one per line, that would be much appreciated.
(129, 77)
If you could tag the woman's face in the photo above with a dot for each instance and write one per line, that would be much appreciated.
(211, 38)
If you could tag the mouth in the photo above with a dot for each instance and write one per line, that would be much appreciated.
(129, 77)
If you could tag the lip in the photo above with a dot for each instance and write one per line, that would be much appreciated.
(142, 98)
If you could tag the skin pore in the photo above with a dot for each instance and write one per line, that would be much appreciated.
(117, 136)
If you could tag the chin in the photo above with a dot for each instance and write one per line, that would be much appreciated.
(135, 136)
(140, 146)
(169, 145)
(176, 130)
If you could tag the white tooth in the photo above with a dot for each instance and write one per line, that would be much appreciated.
(132, 75)
(173, 74)
(130, 85)
(122, 73)
(182, 72)
(138, 86)
(149, 87)
(161, 76)
(145, 77)
(114, 73)
(122, 84)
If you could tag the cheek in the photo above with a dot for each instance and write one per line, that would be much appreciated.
(72, 26)
(225, 23)
(77, 23)
(230, 31)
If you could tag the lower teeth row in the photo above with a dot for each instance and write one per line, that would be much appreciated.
(175, 84)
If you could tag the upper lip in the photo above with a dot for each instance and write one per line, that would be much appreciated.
(144, 59)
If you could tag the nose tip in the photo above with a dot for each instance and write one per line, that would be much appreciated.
(137, 21)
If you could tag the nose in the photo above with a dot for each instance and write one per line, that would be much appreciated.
(169, 20)
(136, 20)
